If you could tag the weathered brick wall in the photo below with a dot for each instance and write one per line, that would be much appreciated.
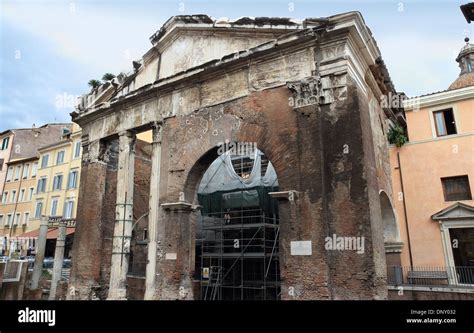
(373, 230)
(338, 193)
(108, 220)
(135, 287)
(96, 219)
(88, 238)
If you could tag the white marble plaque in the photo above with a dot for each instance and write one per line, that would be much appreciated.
(301, 248)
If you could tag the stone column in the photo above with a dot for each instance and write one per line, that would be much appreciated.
(124, 217)
(40, 248)
(155, 228)
(58, 260)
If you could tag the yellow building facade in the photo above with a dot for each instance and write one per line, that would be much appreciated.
(57, 183)
(16, 204)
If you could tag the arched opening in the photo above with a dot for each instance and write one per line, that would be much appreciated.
(390, 230)
(237, 229)
(391, 234)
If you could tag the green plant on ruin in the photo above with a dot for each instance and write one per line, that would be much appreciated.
(108, 77)
(94, 83)
(396, 136)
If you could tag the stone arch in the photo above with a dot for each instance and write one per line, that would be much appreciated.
(191, 144)
(203, 157)
(222, 225)
(200, 166)
(391, 231)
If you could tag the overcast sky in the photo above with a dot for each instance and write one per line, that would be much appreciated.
(50, 49)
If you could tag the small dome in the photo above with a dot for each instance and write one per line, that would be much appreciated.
(465, 80)
(465, 60)
(468, 48)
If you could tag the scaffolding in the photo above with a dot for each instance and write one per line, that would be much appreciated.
(237, 247)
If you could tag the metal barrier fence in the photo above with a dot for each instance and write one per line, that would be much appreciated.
(431, 276)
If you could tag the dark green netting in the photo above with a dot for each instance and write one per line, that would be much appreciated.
(220, 201)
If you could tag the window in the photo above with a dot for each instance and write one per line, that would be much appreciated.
(1, 220)
(13, 196)
(444, 122)
(77, 149)
(5, 142)
(4, 198)
(60, 157)
(72, 181)
(26, 218)
(17, 172)
(16, 221)
(9, 219)
(34, 169)
(26, 169)
(1, 163)
(54, 206)
(456, 188)
(57, 182)
(44, 161)
(21, 196)
(68, 207)
(38, 209)
(30, 193)
(9, 174)
(41, 185)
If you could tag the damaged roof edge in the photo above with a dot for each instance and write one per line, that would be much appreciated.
(352, 20)
(262, 22)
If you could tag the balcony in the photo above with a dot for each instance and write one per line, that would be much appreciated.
(431, 276)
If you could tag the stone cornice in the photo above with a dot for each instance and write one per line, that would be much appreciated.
(449, 96)
(350, 22)
(226, 64)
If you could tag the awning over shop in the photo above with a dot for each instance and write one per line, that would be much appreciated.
(52, 233)
(30, 234)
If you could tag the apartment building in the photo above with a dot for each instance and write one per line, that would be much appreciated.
(19, 165)
(16, 204)
(6, 143)
(57, 182)
(433, 181)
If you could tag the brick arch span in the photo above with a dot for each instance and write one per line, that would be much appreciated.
(190, 145)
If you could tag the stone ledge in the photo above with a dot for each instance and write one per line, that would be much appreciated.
(393, 247)
(464, 290)
(180, 206)
(284, 195)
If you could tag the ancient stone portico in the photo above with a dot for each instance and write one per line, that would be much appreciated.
(306, 92)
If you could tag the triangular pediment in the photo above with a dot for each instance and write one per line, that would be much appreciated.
(457, 211)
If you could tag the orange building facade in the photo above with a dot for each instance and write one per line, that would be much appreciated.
(433, 179)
